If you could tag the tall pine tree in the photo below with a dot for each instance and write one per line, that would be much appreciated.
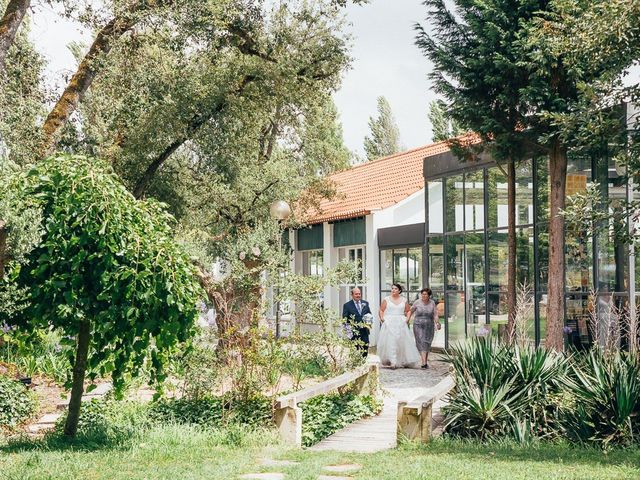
(385, 136)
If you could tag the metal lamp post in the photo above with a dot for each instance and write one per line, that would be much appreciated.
(280, 211)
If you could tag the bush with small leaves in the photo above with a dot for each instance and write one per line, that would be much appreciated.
(17, 404)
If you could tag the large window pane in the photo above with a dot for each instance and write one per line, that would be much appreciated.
(543, 256)
(524, 193)
(524, 254)
(400, 267)
(454, 201)
(498, 206)
(436, 207)
(455, 262)
(498, 261)
(455, 320)
(415, 269)
(474, 200)
(475, 288)
(436, 264)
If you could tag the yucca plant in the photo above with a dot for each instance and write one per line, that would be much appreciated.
(607, 390)
(504, 390)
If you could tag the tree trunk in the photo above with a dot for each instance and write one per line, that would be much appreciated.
(9, 24)
(511, 241)
(81, 81)
(3, 247)
(556, 300)
(79, 371)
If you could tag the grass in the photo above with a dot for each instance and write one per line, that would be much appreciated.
(182, 452)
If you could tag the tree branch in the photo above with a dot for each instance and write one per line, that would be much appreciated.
(194, 125)
(81, 81)
(9, 24)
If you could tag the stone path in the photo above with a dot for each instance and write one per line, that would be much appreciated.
(379, 433)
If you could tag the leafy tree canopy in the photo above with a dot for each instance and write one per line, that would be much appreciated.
(107, 261)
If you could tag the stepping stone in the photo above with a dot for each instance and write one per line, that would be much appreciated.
(263, 476)
(277, 463)
(49, 418)
(346, 468)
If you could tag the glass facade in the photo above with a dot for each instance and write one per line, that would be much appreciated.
(467, 245)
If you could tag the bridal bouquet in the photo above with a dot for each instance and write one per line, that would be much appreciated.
(367, 319)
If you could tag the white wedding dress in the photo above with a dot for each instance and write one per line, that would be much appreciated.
(396, 345)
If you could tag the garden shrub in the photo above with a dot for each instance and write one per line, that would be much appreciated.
(504, 390)
(606, 411)
(527, 393)
(17, 404)
(213, 411)
(326, 414)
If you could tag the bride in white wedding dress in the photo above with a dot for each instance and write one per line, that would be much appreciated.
(396, 345)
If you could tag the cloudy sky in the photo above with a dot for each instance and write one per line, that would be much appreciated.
(386, 62)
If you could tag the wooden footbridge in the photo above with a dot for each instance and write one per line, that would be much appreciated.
(412, 399)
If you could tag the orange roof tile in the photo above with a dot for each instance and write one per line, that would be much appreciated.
(375, 185)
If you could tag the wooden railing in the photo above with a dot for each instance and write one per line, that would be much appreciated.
(288, 415)
(414, 417)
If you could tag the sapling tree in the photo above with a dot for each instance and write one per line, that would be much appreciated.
(106, 273)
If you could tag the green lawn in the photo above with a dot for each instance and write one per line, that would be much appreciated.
(178, 453)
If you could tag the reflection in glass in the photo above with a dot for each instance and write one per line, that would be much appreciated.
(474, 200)
(454, 201)
(455, 321)
(436, 264)
(498, 205)
(415, 269)
(524, 254)
(524, 192)
(435, 206)
(386, 270)
(475, 288)
(498, 261)
(455, 262)
(400, 267)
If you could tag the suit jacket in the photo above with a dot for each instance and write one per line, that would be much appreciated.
(349, 310)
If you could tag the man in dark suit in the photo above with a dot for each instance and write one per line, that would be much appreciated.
(352, 313)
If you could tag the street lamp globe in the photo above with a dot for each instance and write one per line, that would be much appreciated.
(280, 210)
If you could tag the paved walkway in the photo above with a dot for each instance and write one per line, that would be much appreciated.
(379, 433)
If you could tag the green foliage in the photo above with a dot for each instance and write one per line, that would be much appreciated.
(385, 135)
(527, 394)
(443, 127)
(326, 414)
(504, 390)
(22, 98)
(213, 412)
(39, 354)
(17, 404)
(328, 340)
(607, 400)
(109, 260)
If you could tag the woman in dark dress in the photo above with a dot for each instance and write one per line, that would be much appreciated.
(425, 323)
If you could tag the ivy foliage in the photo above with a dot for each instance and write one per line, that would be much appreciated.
(107, 259)
(326, 414)
(17, 404)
